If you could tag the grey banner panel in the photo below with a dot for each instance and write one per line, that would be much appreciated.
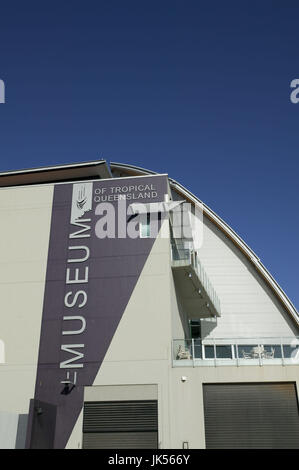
(254, 415)
(42, 425)
(122, 424)
(89, 281)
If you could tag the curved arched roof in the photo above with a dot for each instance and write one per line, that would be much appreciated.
(226, 229)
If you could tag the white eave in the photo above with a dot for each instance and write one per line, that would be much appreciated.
(58, 173)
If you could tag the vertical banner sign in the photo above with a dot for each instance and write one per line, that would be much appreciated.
(95, 258)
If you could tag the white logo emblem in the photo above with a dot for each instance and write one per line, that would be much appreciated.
(81, 200)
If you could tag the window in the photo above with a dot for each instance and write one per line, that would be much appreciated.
(149, 224)
(195, 330)
(145, 226)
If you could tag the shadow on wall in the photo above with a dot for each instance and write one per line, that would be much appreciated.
(21, 432)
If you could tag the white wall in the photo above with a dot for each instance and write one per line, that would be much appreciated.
(248, 307)
(25, 215)
(8, 429)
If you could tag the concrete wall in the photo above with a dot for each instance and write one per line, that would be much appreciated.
(186, 399)
(25, 226)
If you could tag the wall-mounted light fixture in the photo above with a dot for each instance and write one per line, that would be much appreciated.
(69, 385)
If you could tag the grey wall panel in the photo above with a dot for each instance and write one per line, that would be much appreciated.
(41, 425)
(21, 432)
(262, 415)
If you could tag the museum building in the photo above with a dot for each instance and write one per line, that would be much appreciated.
(133, 316)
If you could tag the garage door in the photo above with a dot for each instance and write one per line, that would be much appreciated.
(260, 415)
(120, 425)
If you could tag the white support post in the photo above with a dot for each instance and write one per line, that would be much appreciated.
(260, 356)
(215, 355)
(282, 353)
(193, 357)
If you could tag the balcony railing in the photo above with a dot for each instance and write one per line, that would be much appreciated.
(180, 254)
(240, 351)
(190, 257)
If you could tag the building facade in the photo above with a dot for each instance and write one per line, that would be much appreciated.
(134, 317)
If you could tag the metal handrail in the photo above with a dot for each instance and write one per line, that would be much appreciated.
(182, 254)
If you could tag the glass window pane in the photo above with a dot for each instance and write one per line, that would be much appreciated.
(197, 349)
(272, 351)
(246, 351)
(209, 352)
(224, 352)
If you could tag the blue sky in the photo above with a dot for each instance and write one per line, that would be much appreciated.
(200, 90)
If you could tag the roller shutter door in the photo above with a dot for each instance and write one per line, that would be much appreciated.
(263, 415)
(120, 425)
